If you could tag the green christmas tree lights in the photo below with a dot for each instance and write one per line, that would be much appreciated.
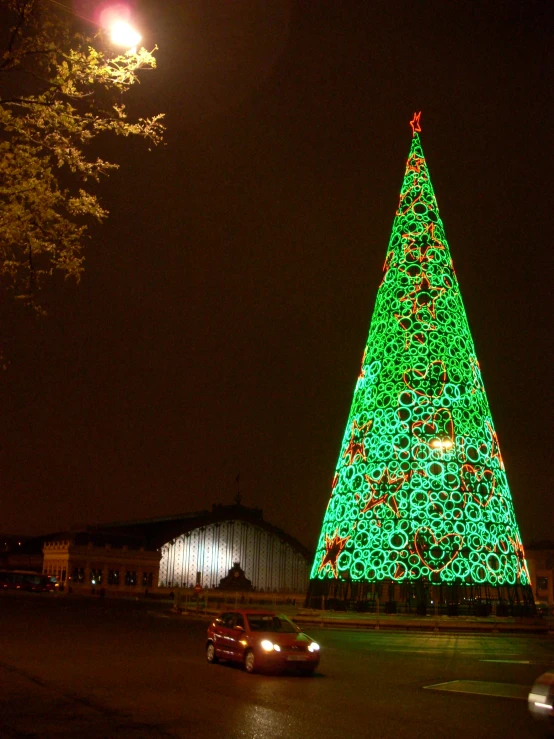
(420, 490)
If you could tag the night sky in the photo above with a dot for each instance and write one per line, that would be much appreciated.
(220, 323)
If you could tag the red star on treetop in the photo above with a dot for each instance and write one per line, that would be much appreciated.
(356, 444)
(333, 548)
(383, 490)
(414, 123)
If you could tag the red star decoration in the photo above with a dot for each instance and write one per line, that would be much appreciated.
(520, 554)
(362, 370)
(414, 332)
(414, 123)
(429, 230)
(495, 448)
(414, 202)
(383, 491)
(356, 445)
(333, 548)
(422, 299)
(414, 164)
(399, 572)
(389, 261)
(418, 256)
(476, 369)
(517, 547)
(428, 233)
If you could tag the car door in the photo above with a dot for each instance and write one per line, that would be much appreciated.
(236, 636)
(223, 635)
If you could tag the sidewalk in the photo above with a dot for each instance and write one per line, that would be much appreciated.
(431, 622)
(398, 622)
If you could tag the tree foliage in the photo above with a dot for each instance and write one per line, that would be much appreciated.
(59, 91)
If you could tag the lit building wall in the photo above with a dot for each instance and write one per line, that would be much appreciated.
(86, 567)
(268, 561)
(541, 567)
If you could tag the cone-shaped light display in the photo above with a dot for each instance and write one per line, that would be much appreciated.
(420, 490)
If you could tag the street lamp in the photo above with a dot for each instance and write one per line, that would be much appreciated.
(122, 34)
(112, 19)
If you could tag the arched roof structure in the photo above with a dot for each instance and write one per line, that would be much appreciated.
(156, 532)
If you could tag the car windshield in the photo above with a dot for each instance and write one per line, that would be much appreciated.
(271, 622)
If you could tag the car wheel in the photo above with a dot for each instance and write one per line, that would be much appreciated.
(210, 654)
(249, 661)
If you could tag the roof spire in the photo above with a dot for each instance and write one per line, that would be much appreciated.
(414, 123)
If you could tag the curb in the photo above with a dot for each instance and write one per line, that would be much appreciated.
(423, 626)
(318, 621)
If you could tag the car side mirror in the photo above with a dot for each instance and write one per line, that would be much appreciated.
(239, 628)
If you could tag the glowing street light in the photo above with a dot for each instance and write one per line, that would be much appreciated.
(113, 19)
(123, 34)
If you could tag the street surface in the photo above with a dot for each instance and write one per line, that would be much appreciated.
(84, 667)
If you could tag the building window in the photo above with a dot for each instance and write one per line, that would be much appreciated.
(130, 578)
(147, 578)
(78, 574)
(542, 583)
(113, 577)
(96, 577)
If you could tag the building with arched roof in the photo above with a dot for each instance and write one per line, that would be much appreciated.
(202, 548)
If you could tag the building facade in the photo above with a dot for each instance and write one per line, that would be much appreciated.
(88, 562)
(170, 552)
(202, 547)
(540, 556)
(206, 555)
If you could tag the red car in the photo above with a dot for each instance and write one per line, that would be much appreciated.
(261, 639)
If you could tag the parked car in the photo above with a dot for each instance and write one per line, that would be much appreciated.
(541, 698)
(261, 640)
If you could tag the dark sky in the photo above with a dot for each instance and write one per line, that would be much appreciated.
(220, 323)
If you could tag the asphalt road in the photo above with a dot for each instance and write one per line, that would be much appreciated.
(76, 667)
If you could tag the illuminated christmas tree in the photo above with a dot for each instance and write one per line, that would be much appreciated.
(420, 491)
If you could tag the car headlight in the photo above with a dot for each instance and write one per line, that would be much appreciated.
(313, 647)
(267, 646)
